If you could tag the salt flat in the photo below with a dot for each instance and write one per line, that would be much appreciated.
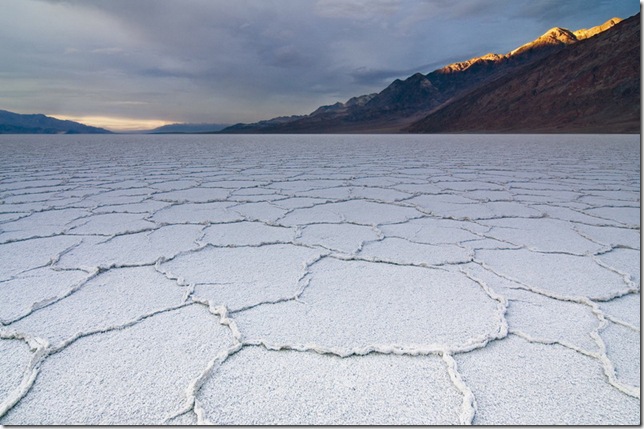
(320, 280)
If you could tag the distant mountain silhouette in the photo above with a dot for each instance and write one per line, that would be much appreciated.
(15, 123)
(187, 128)
(418, 103)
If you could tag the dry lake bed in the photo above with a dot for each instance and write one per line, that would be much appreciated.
(320, 279)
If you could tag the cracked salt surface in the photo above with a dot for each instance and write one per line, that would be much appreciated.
(268, 387)
(320, 280)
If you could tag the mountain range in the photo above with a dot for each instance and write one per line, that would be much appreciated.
(584, 81)
(15, 123)
(187, 128)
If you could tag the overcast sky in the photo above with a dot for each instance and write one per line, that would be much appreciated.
(141, 63)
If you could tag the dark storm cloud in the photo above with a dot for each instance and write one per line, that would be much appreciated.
(243, 60)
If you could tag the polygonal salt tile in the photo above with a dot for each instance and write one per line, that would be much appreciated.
(569, 214)
(30, 184)
(305, 185)
(379, 194)
(148, 207)
(400, 251)
(431, 202)
(559, 274)
(433, 231)
(111, 198)
(194, 195)
(350, 305)
(20, 256)
(299, 202)
(552, 320)
(33, 289)
(519, 383)
(621, 193)
(623, 349)
(113, 298)
(261, 211)
(378, 181)
(611, 236)
(625, 199)
(488, 243)
(133, 376)
(624, 215)
(110, 224)
(626, 261)
(26, 207)
(254, 192)
(127, 192)
(347, 238)
(28, 198)
(512, 209)
(174, 185)
(546, 196)
(469, 185)
(545, 235)
(360, 212)
(335, 193)
(418, 188)
(260, 387)
(321, 213)
(453, 207)
(82, 191)
(536, 184)
(40, 224)
(10, 217)
(246, 234)
(625, 308)
(243, 276)
(197, 213)
(231, 184)
(14, 366)
(120, 182)
(489, 195)
(134, 249)
(261, 198)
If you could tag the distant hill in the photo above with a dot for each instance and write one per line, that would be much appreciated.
(415, 104)
(260, 126)
(188, 128)
(15, 123)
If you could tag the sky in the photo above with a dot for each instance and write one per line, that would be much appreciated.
(137, 64)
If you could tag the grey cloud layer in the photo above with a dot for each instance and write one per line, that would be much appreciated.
(204, 60)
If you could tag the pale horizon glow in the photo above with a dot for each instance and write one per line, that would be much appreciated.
(115, 124)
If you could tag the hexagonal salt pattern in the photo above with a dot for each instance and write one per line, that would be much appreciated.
(320, 280)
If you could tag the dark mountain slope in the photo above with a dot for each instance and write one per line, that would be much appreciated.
(590, 86)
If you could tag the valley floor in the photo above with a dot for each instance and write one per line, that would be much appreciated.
(320, 280)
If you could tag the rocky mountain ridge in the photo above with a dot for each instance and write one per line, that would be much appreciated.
(592, 86)
(407, 101)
